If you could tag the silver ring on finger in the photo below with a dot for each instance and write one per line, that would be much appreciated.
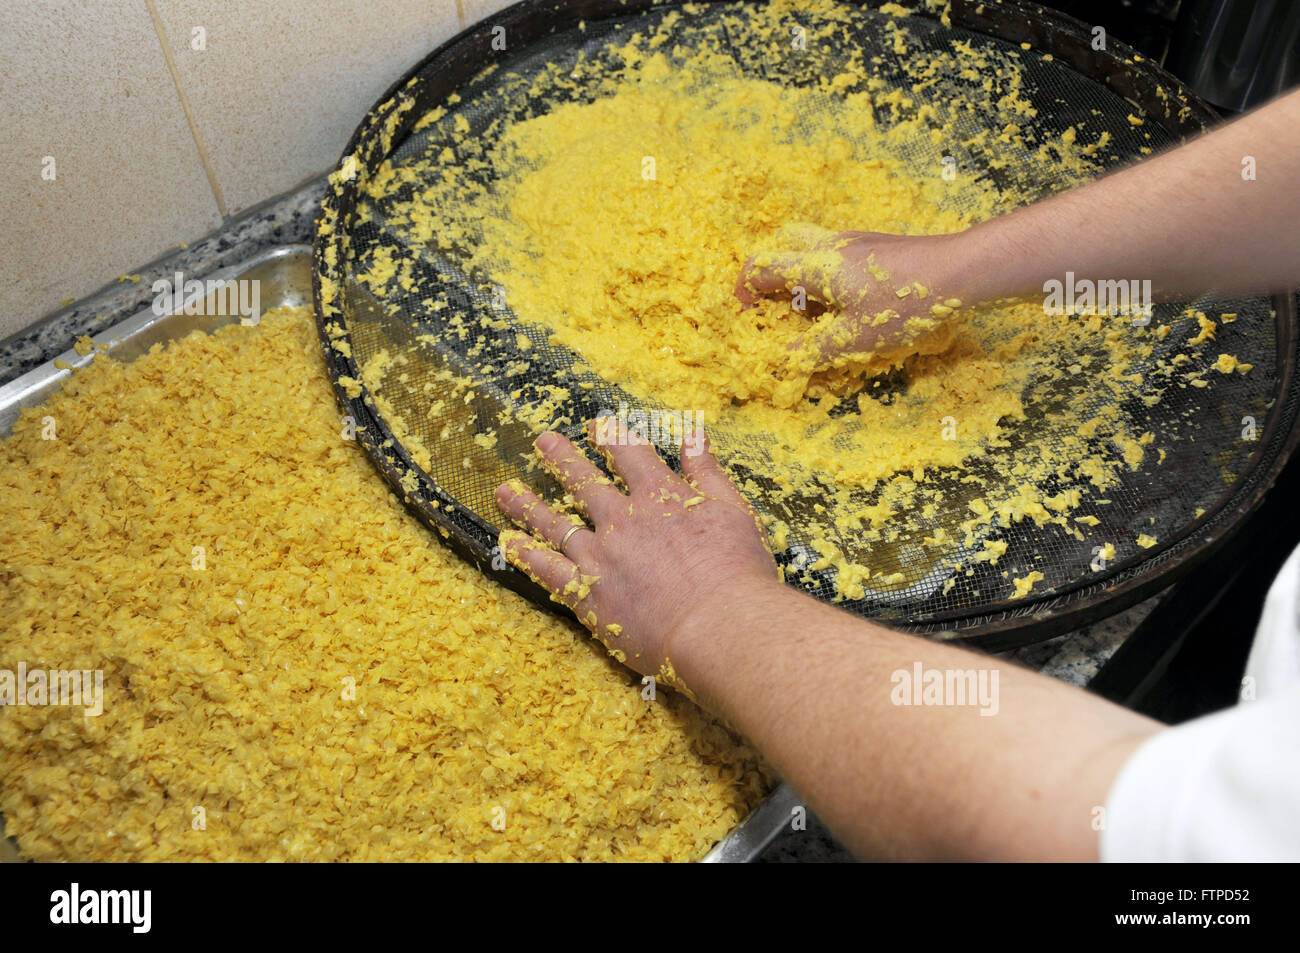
(571, 531)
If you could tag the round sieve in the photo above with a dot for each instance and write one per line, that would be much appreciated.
(443, 373)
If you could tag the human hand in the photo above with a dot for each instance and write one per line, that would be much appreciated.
(890, 294)
(653, 556)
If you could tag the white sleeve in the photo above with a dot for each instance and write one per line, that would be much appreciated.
(1226, 786)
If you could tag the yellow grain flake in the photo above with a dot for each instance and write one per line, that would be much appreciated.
(1024, 584)
(286, 647)
(1207, 329)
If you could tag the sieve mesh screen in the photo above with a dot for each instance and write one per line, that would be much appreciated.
(450, 367)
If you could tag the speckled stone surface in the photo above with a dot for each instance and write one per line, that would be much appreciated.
(1075, 657)
(286, 220)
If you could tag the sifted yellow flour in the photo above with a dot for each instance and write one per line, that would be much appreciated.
(617, 225)
(332, 684)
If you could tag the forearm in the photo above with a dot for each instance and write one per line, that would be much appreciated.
(815, 689)
(1187, 220)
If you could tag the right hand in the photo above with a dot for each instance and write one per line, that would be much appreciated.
(857, 275)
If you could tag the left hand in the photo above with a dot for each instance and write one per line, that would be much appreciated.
(653, 557)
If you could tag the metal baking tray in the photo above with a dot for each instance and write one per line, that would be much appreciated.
(284, 276)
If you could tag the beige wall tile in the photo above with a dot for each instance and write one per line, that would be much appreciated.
(282, 84)
(86, 83)
(475, 10)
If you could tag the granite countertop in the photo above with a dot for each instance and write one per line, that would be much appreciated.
(1075, 657)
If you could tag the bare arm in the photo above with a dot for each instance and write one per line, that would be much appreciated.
(675, 578)
(814, 688)
(1187, 219)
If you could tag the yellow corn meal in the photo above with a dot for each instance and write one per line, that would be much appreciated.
(291, 659)
(616, 225)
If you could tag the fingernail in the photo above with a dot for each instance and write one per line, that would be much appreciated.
(547, 441)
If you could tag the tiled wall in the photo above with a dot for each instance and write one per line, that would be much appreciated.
(131, 126)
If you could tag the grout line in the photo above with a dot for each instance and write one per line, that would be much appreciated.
(189, 113)
(460, 12)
